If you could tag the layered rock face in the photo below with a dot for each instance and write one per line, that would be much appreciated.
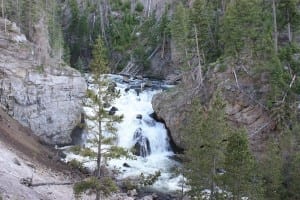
(244, 104)
(41, 95)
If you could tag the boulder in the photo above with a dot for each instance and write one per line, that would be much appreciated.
(148, 197)
(126, 165)
(132, 193)
(149, 122)
(139, 116)
(112, 87)
(138, 133)
(113, 110)
(142, 144)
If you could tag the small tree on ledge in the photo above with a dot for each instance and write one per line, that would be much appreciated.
(104, 93)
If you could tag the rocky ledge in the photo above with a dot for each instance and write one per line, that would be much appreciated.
(244, 103)
(37, 91)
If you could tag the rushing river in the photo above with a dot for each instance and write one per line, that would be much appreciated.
(139, 128)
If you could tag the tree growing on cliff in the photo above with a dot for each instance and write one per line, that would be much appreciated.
(105, 134)
(241, 178)
(180, 30)
(205, 137)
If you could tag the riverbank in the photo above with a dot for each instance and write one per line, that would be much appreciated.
(22, 156)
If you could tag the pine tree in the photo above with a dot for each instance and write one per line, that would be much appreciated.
(270, 166)
(205, 15)
(240, 177)
(246, 30)
(180, 31)
(106, 127)
(205, 138)
(289, 16)
(290, 148)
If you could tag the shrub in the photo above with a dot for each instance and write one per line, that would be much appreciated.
(139, 7)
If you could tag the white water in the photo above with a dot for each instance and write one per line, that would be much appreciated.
(130, 105)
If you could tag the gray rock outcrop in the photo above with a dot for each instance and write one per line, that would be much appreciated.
(244, 104)
(46, 97)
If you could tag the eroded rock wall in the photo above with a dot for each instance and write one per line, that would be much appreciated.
(244, 104)
(44, 96)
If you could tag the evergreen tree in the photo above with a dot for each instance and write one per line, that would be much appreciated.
(205, 138)
(270, 166)
(290, 148)
(106, 127)
(180, 32)
(246, 30)
(288, 16)
(240, 177)
(206, 16)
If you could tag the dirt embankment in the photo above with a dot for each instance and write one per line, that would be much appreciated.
(23, 156)
(22, 140)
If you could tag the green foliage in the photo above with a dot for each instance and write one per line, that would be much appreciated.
(27, 13)
(99, 64)
(241, 176)
(244, 29)
(288, 12)
(126, 5)
(139, 7)
(106, 185)
(56, 38)
(40, 68)
(205, 16)
(129, 185)
(205, 138)
(289, 57)
(180, 28)
(80, 33)
(294, 181)
(116, 4)
(75, 149)
(150, 179)
(271, 167)
(121, 32)
(87, 152)
(106, 126)
(290, 146)
(75, 164)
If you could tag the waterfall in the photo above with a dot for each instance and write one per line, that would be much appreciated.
(140, 133)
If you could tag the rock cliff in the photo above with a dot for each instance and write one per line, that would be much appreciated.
(40, 93)
(244, 103)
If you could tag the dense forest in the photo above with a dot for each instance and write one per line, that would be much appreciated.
(248, 37)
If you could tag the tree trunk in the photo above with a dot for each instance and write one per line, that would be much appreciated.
(99, 159)
(99, 151)
(163, 46)
(198, 54)
(102, 12)
(289, 27)
(212, 192)
(2, 6)
(18, 14)
(187, 58)
(149, 8)
(275, 26)
(3, 15)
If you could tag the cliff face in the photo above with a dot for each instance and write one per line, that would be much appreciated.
(37, 91)
(244, 107)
